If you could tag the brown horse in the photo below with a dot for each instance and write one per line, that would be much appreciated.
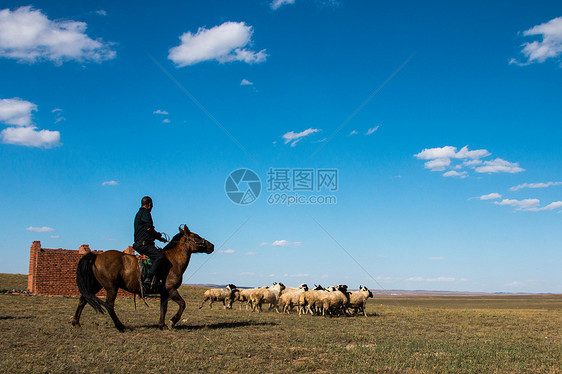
(113, 270)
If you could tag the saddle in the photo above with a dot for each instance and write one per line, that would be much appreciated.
(144, 267)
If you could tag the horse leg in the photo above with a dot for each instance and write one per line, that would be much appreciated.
(175, 296)
(163, 309)
(81, 305)
(110, 301)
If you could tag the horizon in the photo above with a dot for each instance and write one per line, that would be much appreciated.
(398, 147)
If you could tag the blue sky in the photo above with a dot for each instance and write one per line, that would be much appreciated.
(443, 121)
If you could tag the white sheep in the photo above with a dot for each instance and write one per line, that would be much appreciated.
(269, 295)
(335, 302)
(288, 300)
(293, 289)
(226, 295)
(358, 300)
(308, 300)
(243, 296)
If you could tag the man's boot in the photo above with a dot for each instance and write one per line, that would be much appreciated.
(148, 282)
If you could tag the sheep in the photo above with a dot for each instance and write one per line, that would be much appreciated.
(269, 295)
(358, 300)
(293, 289)
(288, 300)
(316, 304)
(243, 296)
(308, 299)
(336, 301)
(226, 295)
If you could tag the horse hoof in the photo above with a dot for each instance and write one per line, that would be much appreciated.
(164, 327)
(76, 324)
(121, 328)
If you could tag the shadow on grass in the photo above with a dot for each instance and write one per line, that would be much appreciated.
(15, 317)
(214, 326)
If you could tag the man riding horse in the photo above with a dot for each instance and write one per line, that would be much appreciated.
(145, 234)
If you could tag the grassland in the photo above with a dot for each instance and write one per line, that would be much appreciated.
(483, 334)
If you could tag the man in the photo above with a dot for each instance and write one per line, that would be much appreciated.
(145, 234)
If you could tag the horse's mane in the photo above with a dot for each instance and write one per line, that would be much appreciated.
(172, 243)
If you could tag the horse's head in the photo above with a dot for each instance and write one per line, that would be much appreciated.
(196, 243)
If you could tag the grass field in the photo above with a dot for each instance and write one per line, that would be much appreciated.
(470, 334)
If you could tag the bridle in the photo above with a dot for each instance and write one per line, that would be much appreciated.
(188, 238)
(201, 243)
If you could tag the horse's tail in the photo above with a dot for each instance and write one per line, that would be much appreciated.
(87, 283)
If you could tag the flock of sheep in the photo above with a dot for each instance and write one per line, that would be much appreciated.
(335, 300)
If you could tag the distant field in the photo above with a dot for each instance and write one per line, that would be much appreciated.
(424, 334)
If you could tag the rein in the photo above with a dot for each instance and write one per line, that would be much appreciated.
(189, 239)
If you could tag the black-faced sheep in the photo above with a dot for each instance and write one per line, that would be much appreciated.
(335, 302)
(309, 299)
(358, 300)
(288, 300)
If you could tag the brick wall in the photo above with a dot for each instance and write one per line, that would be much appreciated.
(53, 271)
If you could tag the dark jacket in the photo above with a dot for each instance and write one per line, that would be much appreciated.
(144, 228)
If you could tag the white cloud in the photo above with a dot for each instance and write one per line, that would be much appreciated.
(294, 137)
(552, 206)
(441, 279)
(299, 275)
(525, 204)
(530, 205)
(474, 155)
(16, 111)
(437, 153)
(491, 196)
(54, 236)
(250, 253)
(224, 43)
(110, 183)
(30, 136)
(535, 185)
(284, 243)
(453, 173)
(440, 159)
(549, 47)
(276, 4)
(439, 164)
(353, 132)
(101, 12)
(499, 165)
(437, 258)
(159, 111)
(27, 35)
(246, 82)
(227, 251)
(166, 120)
(40, 229)
(372, 130)
(247, 273)
(415, 279)
(438, 279)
